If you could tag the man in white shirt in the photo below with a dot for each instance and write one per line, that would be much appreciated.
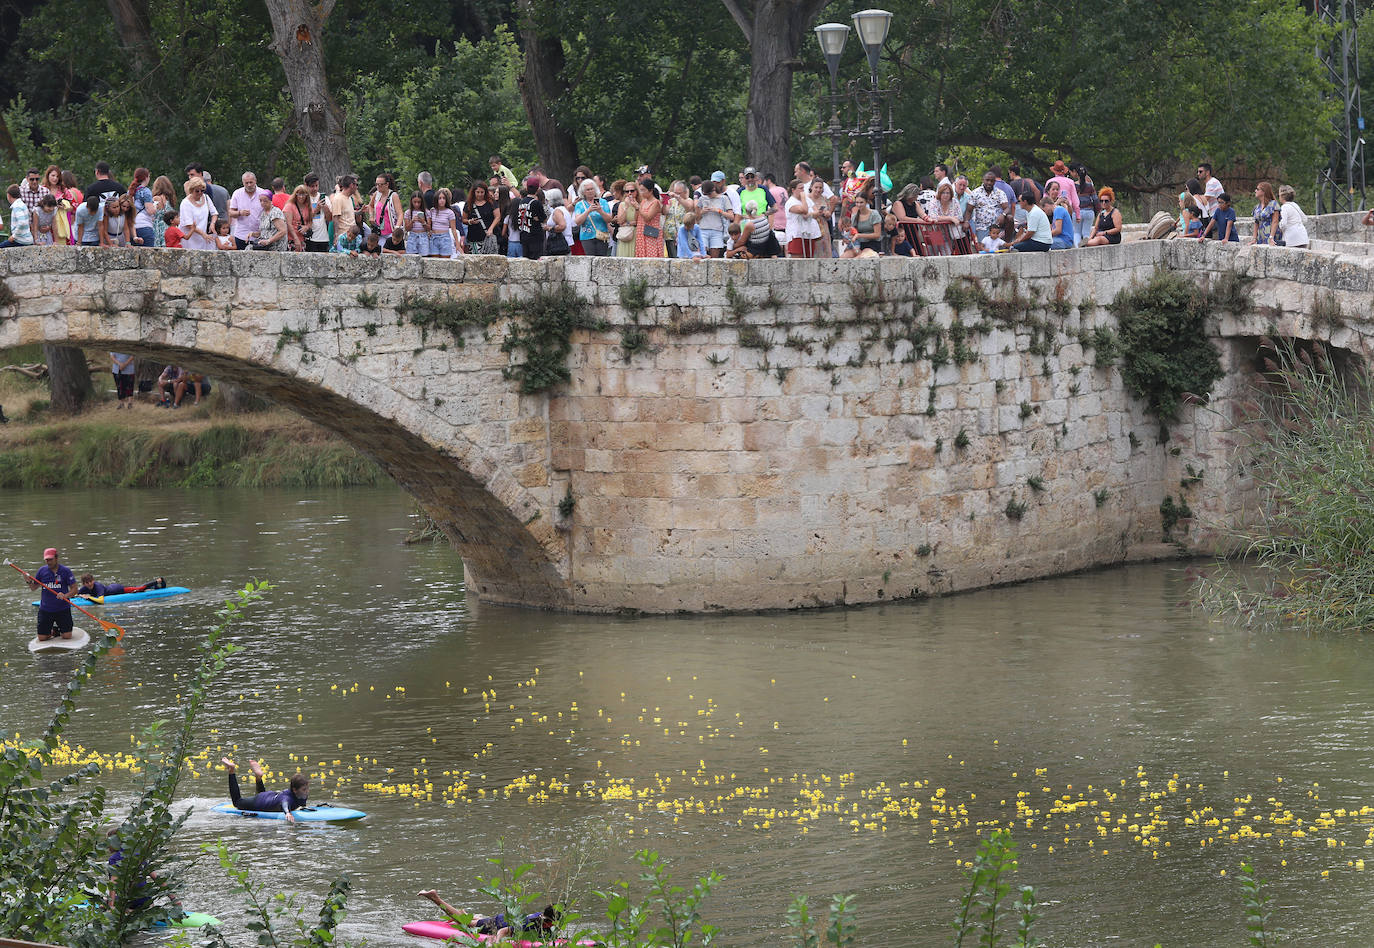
(1211, 191)
(941, 175)
(803, 172)
(245, 211)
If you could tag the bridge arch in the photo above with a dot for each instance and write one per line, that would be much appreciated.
(450, 431)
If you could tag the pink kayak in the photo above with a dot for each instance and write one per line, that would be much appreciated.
(444, 930)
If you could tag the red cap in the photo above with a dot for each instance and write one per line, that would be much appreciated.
(50, 551)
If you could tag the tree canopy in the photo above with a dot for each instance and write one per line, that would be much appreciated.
(1135, 89)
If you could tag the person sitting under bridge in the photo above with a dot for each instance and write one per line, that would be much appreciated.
(263, 800)
(174, 381)
(539, 923)
(98, 591)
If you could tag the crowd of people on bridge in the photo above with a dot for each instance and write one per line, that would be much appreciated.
(756, 215)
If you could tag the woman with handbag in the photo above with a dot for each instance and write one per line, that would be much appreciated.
(272, 229)
(627, 207)
(649, 222)
(1290, 229)
(680, 204)
(384, 210)
(558, 226)
(590, 214)
(482, 218)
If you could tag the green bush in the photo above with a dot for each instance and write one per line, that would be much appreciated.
(1165, 350)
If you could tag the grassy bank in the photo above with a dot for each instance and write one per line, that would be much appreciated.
(157, 447)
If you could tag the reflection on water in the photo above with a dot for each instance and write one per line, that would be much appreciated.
(1136, 750)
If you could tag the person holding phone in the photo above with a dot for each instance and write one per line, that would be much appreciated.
(649, 221)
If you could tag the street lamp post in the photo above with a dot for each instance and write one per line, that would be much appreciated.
(831, 37)
(865, 102)
(872, 27)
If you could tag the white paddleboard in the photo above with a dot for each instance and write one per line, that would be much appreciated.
(78, 640)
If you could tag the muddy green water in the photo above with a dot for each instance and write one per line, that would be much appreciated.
(1139, 750)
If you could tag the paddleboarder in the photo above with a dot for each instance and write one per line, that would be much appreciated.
(93, 590)
(58, 585)
(264, 800)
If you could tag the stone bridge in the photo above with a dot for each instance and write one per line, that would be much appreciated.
(734, 436)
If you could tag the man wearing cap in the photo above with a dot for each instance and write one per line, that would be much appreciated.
(58, 586)
(751, 189)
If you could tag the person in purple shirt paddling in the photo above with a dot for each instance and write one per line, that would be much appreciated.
(93, 590)
(54, 606)
(264, 800)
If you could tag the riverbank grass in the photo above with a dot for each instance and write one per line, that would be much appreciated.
(186, 447)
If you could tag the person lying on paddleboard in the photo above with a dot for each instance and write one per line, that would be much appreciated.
(54, 605)
(539, 923)
(264, 800)
(93, 590)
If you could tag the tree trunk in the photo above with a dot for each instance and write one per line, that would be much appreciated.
(775, 30)
(298, 41)
(236, 400)
(133, 25)
(541, 85)
(69, 379)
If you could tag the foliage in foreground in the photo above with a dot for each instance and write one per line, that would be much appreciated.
(58, 884)
(269, 912)
(1311, 541)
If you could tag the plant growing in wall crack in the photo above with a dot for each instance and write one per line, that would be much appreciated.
(1166, 352)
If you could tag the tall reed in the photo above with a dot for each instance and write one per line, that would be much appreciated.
(1309, 445)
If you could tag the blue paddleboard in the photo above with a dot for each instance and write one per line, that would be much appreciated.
(131, 597)
(316, 813)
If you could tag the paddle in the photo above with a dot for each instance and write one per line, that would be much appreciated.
(107, 626)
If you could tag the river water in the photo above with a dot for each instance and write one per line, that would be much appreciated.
(1138, 750)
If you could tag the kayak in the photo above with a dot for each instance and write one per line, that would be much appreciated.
(445, 930)
(78, 640)
(318, 813)
(129, 597)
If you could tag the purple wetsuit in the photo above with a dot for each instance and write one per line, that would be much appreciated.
(264, 800)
